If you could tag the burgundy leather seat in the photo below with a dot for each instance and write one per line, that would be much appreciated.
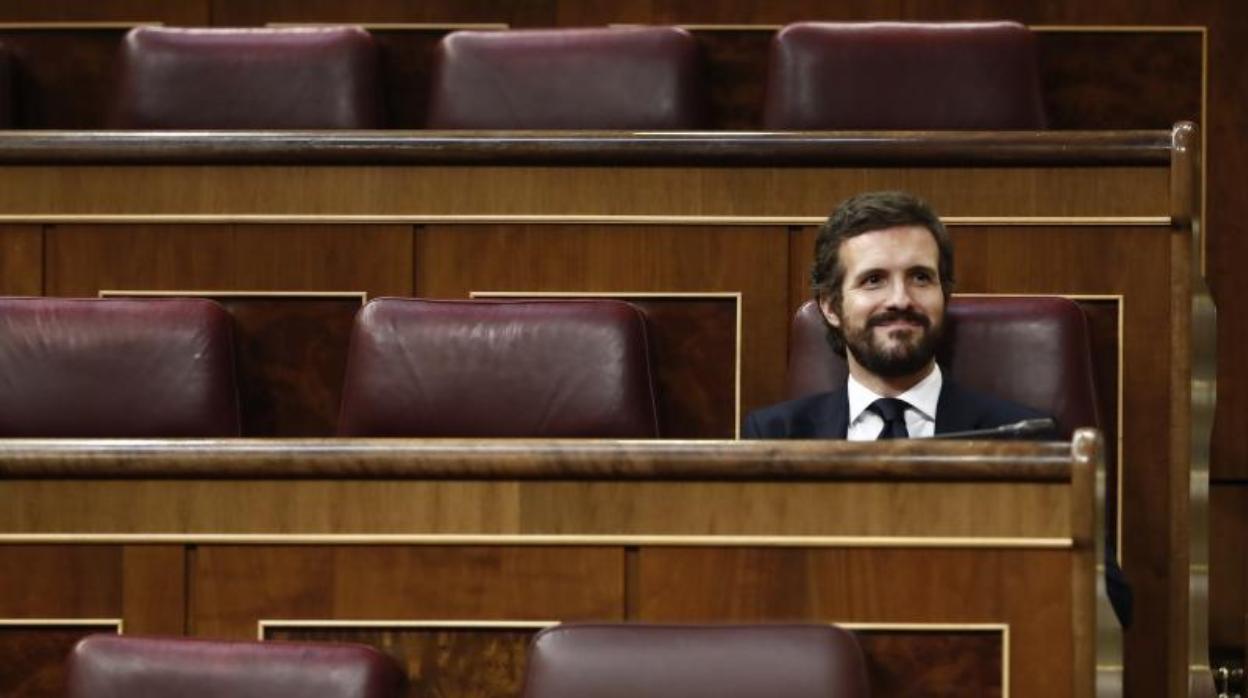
(903, 76)
(671, 661)
(109, 666)
(620, 78)
(1033, 350)
(305, 78)
(564, 368)
(116, 368)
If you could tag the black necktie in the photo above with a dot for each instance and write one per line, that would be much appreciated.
(893, 412)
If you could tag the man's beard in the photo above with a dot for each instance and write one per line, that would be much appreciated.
(904, 357)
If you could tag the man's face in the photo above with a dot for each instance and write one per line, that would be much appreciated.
(892, 308)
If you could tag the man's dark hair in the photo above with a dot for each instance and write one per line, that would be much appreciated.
(866, 213)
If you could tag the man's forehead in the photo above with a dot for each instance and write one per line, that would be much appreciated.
(902, 245)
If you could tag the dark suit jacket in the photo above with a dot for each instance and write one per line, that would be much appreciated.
(826, 415)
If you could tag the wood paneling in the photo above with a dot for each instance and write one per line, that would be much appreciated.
(516, 12)
(1115, 80)
(1228, 567)
(548, 508)
(185, 12)
(573, 190)
(48, 581)
(291, 356)
(461, 662)
(934, 663)
(85, 259)
(65, 79)
(154, 589)
(235, 587)
(21, 260)
(453, 261)
(686, 585)
(32, 659)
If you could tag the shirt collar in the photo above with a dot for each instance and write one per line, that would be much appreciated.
(922, 396)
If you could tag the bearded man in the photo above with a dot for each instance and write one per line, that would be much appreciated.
(883, 274)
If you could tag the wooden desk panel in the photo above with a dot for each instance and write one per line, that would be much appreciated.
(939, 550)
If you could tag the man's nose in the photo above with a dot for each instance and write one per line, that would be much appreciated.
(899, 294)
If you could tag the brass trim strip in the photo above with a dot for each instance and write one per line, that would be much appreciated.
(417, 219)
(74, 26)
(1021, 542)
(362, 296)
(264, 624)
(725, 295)
(116, 623)
(1118, 28)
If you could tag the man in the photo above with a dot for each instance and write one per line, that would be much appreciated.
(882, 276)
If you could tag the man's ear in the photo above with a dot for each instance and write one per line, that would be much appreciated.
(829, 311)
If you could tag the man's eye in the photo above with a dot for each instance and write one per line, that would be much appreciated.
(872, 279)
(923, 277)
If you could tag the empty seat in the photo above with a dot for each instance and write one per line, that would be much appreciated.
(109, 666)
(1032, 350)
(116, 368)
(619, 78)
(565, 368)
(675, 661)
(903, 75)
(304, 78)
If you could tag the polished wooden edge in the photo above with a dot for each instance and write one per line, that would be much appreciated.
(534, 459)
(541, 219)
(758, 148)
(578, 540)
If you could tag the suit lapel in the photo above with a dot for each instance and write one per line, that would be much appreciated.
(830, 418)
(953, 413)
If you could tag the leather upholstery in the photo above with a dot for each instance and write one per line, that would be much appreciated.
(1034, 351)
(110, 666)
(903, 76)
(564, 368)
(305, 78)
(116, 368)
(620, 78)
(711, 661)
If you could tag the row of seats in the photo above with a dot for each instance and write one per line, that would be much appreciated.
(565, 661)
(822, 76)
(425, 368)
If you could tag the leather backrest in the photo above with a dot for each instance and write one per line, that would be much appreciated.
(1032, 350)
(716, 661)
(903, 76)
(563, 368)
(304, 78)
(619, 78)
(110, 666)
(117, 368)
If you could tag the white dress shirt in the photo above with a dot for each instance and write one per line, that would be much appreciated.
(865, 425)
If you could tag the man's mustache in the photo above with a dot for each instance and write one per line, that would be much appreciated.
(888, 316)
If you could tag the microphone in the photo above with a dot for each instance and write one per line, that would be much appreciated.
(1016, 430)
